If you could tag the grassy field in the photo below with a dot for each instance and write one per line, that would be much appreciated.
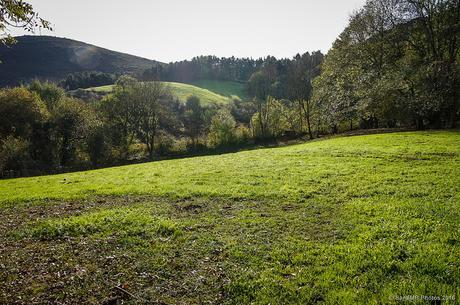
(207, 97)
(183, 91)
(351, 220)
(105, 89)
(225, 88)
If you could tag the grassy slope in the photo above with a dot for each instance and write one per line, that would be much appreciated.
(182, 92)
(225, 88)
(355, 220)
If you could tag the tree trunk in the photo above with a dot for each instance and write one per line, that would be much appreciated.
(307, 117)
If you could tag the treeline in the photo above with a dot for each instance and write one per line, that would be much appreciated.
(396, 64)
(87, 79)
(206, 67)
(43, 129)
(221, 68)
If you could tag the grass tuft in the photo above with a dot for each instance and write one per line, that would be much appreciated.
(119, 221)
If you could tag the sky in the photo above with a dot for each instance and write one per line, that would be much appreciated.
(173, 30)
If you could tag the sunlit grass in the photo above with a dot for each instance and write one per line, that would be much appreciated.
(225, 88)
(182, 92)
(351, 220)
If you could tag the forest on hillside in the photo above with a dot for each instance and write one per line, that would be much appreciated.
(396, 65)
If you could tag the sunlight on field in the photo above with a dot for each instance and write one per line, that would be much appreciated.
(350, 220)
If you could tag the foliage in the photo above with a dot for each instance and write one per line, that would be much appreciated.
(396, 64)
(18, 14)
(268, 122)
(87, 79)
(194, 118)
(20, 111)
(14, 152)
(223, 129)
(48, 92)
(72, 120)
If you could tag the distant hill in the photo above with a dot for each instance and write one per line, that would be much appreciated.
(52, 58)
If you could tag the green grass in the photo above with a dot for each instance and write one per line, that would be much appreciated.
(105, 89)
(182, 92)
(351, 220)
(225, 88)
(207, 97)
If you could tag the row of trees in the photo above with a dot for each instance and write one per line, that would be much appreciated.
(205, 67)
(87, 79)
(225, 69)
(396, 64)
(44, 129)
(41, 128)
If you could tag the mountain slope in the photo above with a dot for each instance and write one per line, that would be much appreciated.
(52, 58)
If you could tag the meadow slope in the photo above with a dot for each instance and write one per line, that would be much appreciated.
(349, 220)
(182, 92)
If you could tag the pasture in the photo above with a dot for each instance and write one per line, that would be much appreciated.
(348, 220)
(182, 91)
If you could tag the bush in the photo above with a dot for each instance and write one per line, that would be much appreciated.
(20, 111)
(14, 153)
(223, 129)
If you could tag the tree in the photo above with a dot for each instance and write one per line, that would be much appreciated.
(48, 92)
(21, 111)
(223, 129)
(72, 120)
(269, 122)
(18, 14)
(258, 85)
(14, 153)
(395, 64)
(98, 144)
(121, 113)
(150, 99)
(194, 118)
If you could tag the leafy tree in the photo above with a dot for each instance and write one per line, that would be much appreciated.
(48, 92)
(121, 113)
(14, 153)
(21, 111)
(259, 85)
(18, 14)
(395, 64)
(223, 129)
(98, 144)
(150, 99)
(72, 120)
(269, 121)
(194, 118)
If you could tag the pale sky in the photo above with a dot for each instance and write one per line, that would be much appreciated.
(172, 30)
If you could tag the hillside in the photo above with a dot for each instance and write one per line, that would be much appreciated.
(225, 88)
(181, 91)
(52, 58)
(349, 220)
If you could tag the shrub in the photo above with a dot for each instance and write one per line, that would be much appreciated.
(223, 129)
(14, 152)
